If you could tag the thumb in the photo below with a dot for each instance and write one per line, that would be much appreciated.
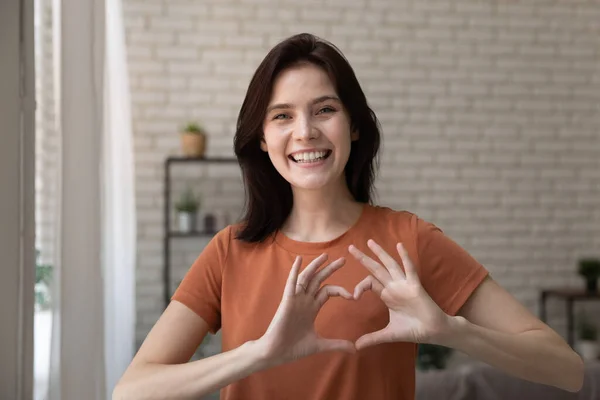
(373, 338)
(335, 345)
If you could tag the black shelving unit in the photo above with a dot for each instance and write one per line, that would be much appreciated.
(171, 234)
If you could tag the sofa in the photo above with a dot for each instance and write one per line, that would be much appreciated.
(477, 381)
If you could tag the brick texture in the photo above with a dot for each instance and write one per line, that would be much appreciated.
(490, 113)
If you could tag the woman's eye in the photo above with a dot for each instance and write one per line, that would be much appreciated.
(326, 110)
(281, 116)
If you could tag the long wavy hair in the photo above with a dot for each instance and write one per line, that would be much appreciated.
(268, 196)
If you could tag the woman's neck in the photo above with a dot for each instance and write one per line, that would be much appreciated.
(321, 215)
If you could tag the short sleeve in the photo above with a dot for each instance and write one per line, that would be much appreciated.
(448, 272)
(200, 289)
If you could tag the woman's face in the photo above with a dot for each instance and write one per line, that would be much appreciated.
(307, 129)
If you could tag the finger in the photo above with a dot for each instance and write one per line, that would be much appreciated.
(409, 267)
(335, 345)
(306, 275)
(373, 338)
(319, 277)
(369, 283)
(329, 291)
(373, 266)
(290, 285)
(387, 260)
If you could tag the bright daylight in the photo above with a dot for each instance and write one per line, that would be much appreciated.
(302, 200)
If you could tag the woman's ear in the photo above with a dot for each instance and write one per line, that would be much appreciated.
(354, 135)
(263, 144)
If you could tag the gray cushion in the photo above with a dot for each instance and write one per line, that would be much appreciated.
(478, 381)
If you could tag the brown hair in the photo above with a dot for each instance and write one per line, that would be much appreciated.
(268, 195)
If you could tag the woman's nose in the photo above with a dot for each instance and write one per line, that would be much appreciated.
(305, 130)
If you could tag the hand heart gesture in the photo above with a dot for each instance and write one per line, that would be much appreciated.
(291, 334)
(414, 316)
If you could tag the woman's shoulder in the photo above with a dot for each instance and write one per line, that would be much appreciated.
(399, 219)
(389, 214)
(231, 234)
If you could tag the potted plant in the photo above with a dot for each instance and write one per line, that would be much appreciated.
(193, 140)
(588, 339)
(589, 269)
(430, 356)
(187, 208)
(43, 279)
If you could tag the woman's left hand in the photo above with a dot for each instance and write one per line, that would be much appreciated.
(414, 316)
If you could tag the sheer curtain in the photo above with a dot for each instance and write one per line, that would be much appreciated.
(94, 285)
(119, 230)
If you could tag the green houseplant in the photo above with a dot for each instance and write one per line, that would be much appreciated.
(193, 140)
(587, 335)
(587, 331)
(589, 269)
(431, 356)
(187, 208)
(43, 280)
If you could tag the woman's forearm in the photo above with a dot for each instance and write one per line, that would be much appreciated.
(190, 380)
(538, 356)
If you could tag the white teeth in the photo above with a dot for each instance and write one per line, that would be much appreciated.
(310, 156)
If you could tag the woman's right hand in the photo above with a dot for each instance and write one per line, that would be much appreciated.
(291, 334)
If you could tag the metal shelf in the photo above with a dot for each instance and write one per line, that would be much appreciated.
(175, 234)
(170, 234)
(209, 160)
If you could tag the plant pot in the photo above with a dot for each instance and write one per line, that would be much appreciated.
(186, 222)
(193, 144)
(588, 349)
(591, 285)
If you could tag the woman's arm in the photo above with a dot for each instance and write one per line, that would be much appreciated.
(190, 380)
(161, 369)
(495, 328)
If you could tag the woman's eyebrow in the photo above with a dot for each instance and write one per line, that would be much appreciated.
(279, 106)
(315, 101)
(325, 98)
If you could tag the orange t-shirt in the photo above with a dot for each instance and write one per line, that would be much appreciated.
(237, 286)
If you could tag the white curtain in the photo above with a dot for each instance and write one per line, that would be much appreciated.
(119, 229)
(94, 291)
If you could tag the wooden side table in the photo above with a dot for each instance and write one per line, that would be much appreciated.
(570, 295)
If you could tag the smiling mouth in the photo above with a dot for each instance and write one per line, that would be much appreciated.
(309, 157)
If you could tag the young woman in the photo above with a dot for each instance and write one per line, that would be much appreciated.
(320, 294)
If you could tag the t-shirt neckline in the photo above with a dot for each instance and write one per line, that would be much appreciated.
(346, 238)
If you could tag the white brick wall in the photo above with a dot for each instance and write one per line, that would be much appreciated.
(490, 113)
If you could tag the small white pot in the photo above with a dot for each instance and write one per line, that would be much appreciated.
(588, 349)
(186, 222)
